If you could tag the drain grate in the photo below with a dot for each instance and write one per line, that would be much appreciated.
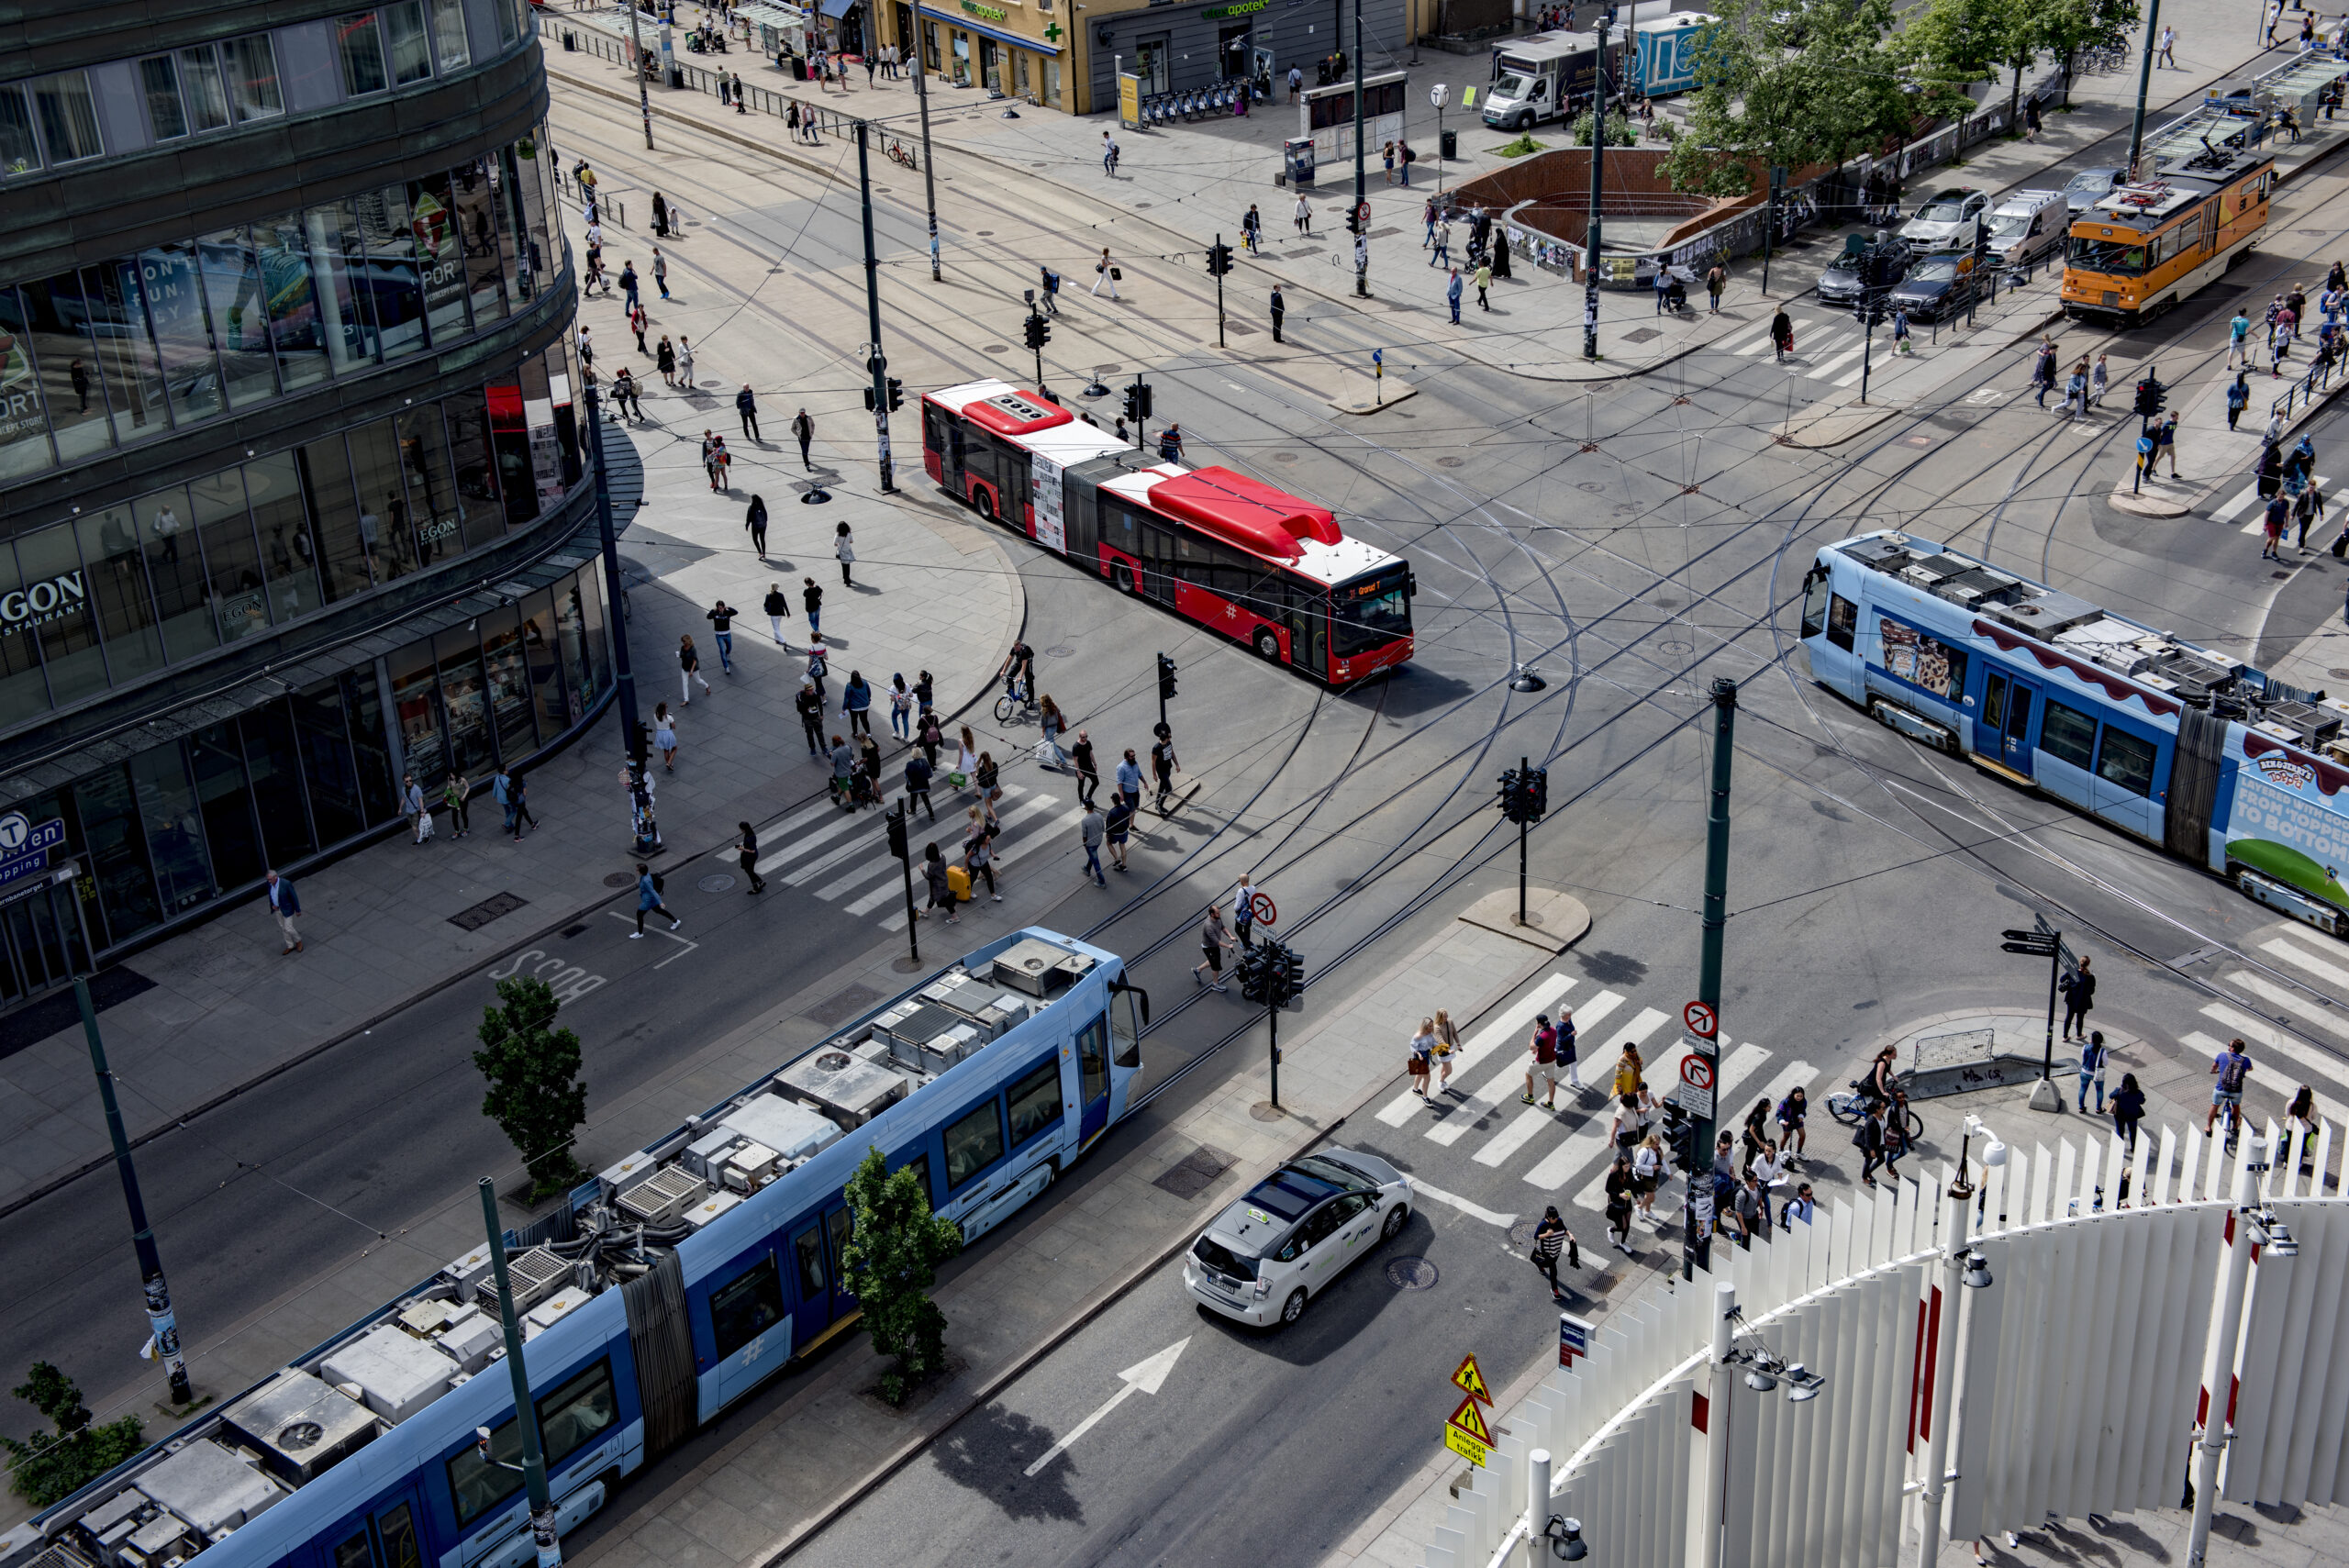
(488, 909)
(1642, 335)
(1059, 651)
(570, 931)
(1411, 1273)
(1194, 1174)
(998, 348)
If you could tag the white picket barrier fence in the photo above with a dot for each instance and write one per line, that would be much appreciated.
(2078, 1369)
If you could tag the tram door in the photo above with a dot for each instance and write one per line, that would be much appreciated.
(386, 1539)
(1093, 1078)
(2003, 732)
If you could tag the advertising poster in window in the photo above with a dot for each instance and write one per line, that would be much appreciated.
(546, 452)
(1909, 655)
(1050, 533)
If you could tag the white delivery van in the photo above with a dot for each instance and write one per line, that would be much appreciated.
(1541, 78)
(2028, 226)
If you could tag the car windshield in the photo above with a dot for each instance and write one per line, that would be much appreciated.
(1223, 1260)
(2091, 184)
(2107, 256)
(1370, 612)
(2011, 225)
(1512, 87)
(1940, 270)
(1288, 1192)
(1943, 209)
(1336, 1171)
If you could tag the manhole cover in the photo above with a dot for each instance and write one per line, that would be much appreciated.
(618, 879)
(1674, 646)
(1283, 457)
(1411, 1273)
(2279, 575)
(1642, 335)
(579, 930)
(1195, 1173)
(1593, 485)
(1059, 651)
(998, 348)
(1448, 462)
(719, 882)
(1520, 1235)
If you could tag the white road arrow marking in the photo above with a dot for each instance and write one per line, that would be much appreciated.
(1143, 1377)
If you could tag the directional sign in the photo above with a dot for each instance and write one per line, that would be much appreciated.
(1469, 1378)
(1699, 1019)
(1573, 1338)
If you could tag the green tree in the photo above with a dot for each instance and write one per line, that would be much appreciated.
(1618, 130)
(1819, 84)
(890, 1262)
(50, 1466)
(1955, 43)
(533, 1071)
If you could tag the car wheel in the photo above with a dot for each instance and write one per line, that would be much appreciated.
(1397, 1218)
(1268, 645)
(1293, 1307)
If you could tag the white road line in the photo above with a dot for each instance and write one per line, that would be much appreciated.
(2210, 1049)
(1519, 1013)
(1465, 1116)
(684, 945)
(773, 831)
(2260, 1033)
(823, 863)
(1561, 1167)
(2293, 953)
(2283, 996)
(1848, 357)
(1636, 1032)
(2258, 523)
(2227, 513)
(1474, 1211)
(809, 840)
(833, 889)
(1530, 1120)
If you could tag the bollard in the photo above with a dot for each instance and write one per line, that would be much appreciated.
(1537, 1504)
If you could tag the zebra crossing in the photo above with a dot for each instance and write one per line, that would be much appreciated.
(2249, 496)
(1839, 368)
(2282, 1061)
(1560, 1148)
(843, 857)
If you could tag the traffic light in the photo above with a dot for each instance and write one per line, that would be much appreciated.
(642, 748)
(1288, 981)
(897, 395)
(1508, 798)
(1255, 972)
(869, 403)
(1039, 332)
(1218, 259)
(897, 843)
(1165, 677)
(1353, 220)
(1525, 794)
(1143, 387)
(2151, 397)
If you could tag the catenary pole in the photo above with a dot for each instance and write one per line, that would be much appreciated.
(929, 173)
(1957, 1209)
(2219, 1358)
(1697, 1233)
(534, 1457)
(2146, 83)
(613, 595)
(160, 1320)
(878, 363)
(1592, 225)
(643, 92)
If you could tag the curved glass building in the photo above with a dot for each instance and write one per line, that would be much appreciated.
(291, 491)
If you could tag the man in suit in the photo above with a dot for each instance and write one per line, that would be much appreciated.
(285, 904)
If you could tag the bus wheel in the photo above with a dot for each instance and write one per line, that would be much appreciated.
(1268, 645)
(982, 502)
(1122, 578)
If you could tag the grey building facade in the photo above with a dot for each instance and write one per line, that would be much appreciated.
(1175, 48)
(291, 499)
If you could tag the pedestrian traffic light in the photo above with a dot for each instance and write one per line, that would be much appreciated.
(1133, 401)
(1289, 981)
(1143, 387)
(2151, 397)
(871, 403)
(897, 395)
(1218, 259)
(1165, 677)
(1536, 786)
(897, 844)
(1508, 798)
(1039, 332)
(1255, 972)
(642, 747)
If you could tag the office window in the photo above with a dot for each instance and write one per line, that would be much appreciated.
(56, 609)
(363, 700)
(476, 466)
(207, 94)
(224, 796)
(361, 48)
(167, 278)
(424, 457)
(166, 531)
(327, 766)
(58, 329)
(68, 120)
(395, 283)
(24, 432)
(133, 377)
(166, 117)
(117, 849)
(340, 284)
(386, 522)
(343, 543)
(472, 243)
(440, 254)
(553, 707)
(411, 48)
(239, 311)
(175, 828)
(20, 153)
(250, 66)
(509, 684)
(289, 554)
(2067, 735)
(2126, 760)
(232, 566)
(276, 769)
(974, 1143)
(282, 252)
(449, 44)
(465, 700)
(417, 701)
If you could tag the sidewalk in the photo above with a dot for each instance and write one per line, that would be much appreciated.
(1059, 1265)
(226, 1008)
(1177, 187)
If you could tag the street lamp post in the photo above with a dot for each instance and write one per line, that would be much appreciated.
(1764, 1372)
(1956, 1267)
(1361, 189)
(614, 594)
(878, 363)
(929, 171)
(161, 1325)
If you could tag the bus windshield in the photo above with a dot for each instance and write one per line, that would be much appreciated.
(2113, 256)
(1370, 612)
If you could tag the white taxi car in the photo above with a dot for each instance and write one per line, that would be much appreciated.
(1263, 1257)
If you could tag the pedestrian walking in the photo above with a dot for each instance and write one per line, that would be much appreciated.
(812, 598)
(2032, 124)
(901, 708)
(978, 850)
(2127, 1107)
(919, 773)
(660, 272)
(1103, 273)
(1619, 1206)
(1663, 288)
(2098, 380)
(1303, 217)
(452, 794)
(2093, 1057)
(1243, 909)
(746, 849)
(1118, 824)
(285, 903)
(2308, 508)
(747, 406)
(942, 886)
(1782, 335)
(1793, 1116)
(1647, 1174)
(2273, 522)
(2144, 459)
(1541, 1054)
(928, 735)
(501, 790)
(802, 430)
(1452, 295)
(660, 216)
(2238, 398)
(412, 807)
(1051, 725)
(856, 704)
(1049, 295)
(2165, 55)
(648, 901)
(518, 795)
(711, 446)
(754, 520)
(2279, 345)
(844, 551)
(1441, 242)
(1164, 766)
(720, 616)
(2299, 1118)
(2239, 340)
(1902, 343)
(637, 322)
(1483, 282)
(1447, 1049)
(1550, 1238)
(664, 737)
(1868, 1138)
(665, 360)
(1279, 309)
(1419, 1057)
(1108, 155)
(2075, 392)
(1091, 829)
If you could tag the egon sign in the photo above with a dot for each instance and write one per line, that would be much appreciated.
(44, 601)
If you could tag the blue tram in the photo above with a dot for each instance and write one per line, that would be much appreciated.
(2186, 748)
(659, 1294)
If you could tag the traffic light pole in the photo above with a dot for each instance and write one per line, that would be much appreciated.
(161, 1322)
(1592, 225)
(1217, 255)
(878, 363)
(2144, 84)
(1525, 771)
(1273, 1022)
(1165, 681)
(929, 171)
(901, 831)
(1696, 1233)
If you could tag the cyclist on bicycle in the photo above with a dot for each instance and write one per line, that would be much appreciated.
(1883, 1077)
(2230, 1068)
(1019, 672)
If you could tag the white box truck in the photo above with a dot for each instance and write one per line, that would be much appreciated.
(1541, 78)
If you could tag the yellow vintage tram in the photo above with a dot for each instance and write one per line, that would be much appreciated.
(2150, 244)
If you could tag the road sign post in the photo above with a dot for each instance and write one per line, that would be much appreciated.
(1467, 1434)
(2043, 942)
(1573, 1338)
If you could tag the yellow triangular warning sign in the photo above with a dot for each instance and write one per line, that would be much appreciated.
(1471, 1420)
(1470, 1380)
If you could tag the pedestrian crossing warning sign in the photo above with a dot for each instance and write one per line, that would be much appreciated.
(1469, 1379)
(1466, 1434)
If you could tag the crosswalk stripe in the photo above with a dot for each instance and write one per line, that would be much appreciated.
(809, 840)
(833, 889)
(894, 888)
(1405, 1105)
(1848, 357)
(1643, 1024)
(818, 867)
(2227, 513)
(2259, 1031)
(2325, 1104)
(2315, 1013)
(1455, 1127)
(1589, 1142)
(2293, 953)
(783, 829)
(2258, 523)
(1529, 1119)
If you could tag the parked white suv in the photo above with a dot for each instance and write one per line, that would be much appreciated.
(1263, 1257)
(1947, 221)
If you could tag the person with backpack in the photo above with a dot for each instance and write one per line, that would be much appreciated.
(1048, 297)
(1550, 1237)
(978, 850)
(2231, 1068)
(2079, 989)
(648, 901)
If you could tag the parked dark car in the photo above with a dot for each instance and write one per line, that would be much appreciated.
(1842, 282)
(1938, 287)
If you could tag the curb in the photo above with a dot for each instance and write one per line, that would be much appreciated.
(1109, 1295)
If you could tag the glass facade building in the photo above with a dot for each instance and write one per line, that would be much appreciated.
(292, 498)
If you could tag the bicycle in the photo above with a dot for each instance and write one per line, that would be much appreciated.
(900, 153)
(2231, 1115)
(1847, 1106)
(1017, 701)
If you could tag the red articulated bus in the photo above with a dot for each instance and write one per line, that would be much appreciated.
(1216, 547)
